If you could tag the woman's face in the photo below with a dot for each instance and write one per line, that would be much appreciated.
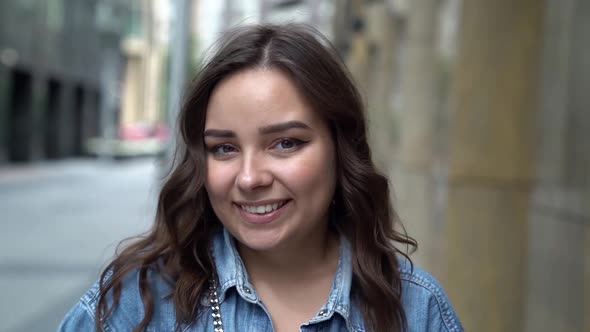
(270, 163)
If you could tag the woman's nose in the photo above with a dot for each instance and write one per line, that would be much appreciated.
(253, 174)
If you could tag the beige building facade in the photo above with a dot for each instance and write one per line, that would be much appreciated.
(144, 80)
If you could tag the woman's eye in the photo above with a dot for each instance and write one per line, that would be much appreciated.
(222, 149)
(288, 144)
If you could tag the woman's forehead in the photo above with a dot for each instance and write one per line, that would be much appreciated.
(258, 97)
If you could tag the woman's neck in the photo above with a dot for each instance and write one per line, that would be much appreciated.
(295, 260)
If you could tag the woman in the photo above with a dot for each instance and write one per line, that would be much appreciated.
(275, 218)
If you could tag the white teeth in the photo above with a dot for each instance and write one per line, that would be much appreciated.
(262, 209)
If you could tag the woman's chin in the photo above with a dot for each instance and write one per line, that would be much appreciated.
(259, 242)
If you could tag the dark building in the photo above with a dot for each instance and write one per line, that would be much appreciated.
(60, 63)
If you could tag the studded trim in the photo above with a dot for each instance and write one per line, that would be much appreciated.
(214, 304)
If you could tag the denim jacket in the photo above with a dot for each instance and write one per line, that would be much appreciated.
(425, 303)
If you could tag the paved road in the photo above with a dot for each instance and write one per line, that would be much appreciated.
(59, 224)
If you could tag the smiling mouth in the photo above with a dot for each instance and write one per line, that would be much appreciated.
(262, 208)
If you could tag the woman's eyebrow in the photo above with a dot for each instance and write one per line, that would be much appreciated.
(278, 127)
(219, 133)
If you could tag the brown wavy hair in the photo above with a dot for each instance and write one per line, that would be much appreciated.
(177, 246)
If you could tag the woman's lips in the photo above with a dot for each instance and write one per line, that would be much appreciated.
(265, 218)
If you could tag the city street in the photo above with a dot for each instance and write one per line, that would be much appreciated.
(59, 224)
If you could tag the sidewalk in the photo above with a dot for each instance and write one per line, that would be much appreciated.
(15, 173)
(60, 224)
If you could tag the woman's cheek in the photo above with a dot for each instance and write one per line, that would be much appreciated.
(219, 178)
(306, 171)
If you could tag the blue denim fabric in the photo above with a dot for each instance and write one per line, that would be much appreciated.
(425, 303)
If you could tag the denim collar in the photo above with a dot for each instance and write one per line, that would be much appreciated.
(231, 272)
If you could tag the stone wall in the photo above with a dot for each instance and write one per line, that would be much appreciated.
(490, 158)
(559, 222)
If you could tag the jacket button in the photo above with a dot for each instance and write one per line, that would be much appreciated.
(323, 312)
(246, 290)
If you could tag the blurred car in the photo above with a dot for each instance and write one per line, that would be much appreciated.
(131, 141)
